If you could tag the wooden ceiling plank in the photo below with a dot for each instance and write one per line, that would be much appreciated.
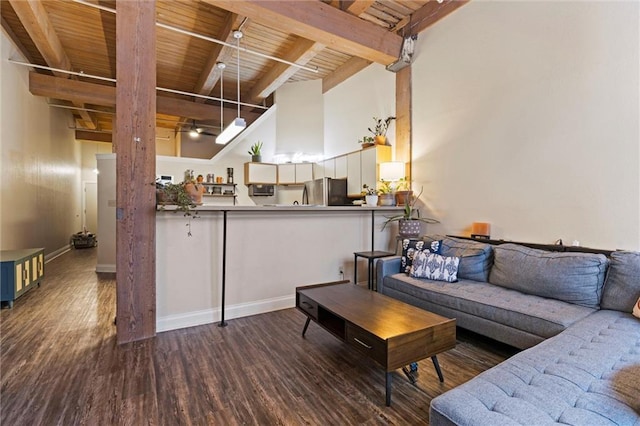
(349, 68)
(302, 52)
(16, 40)
(219, 53)
(356, 7)
(431, 13)
(320, 22)
(97, 94)
(36, 21)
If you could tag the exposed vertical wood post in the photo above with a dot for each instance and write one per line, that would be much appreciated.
(403, 118)
(135, 170)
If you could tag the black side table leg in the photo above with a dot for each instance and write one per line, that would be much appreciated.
(306, 324)
(355, 269)
(437, 366)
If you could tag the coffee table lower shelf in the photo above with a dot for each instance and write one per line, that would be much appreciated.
(388, 331)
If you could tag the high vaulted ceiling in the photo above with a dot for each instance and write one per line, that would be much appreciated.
(333, 39)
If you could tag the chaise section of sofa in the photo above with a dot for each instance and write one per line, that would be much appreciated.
(587, 375)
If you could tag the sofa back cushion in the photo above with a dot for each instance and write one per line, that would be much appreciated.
(476, 258)
(622, 287)
(571, 277)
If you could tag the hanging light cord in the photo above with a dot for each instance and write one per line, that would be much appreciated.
(238, 51)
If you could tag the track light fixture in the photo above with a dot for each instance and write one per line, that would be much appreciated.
(238, 124)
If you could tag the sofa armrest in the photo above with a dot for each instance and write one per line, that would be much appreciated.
(386, 266)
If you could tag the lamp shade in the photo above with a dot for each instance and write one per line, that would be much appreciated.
(232, 130)
(392, 171)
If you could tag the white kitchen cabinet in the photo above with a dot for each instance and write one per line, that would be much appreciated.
(329, 168)
(341, 167)
(265, 173)
(370, 159)
(304, 172)
(286, 174)
(318, 170)
(294, 173)
(354, 178)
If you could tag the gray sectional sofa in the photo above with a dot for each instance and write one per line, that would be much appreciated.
(570, 311)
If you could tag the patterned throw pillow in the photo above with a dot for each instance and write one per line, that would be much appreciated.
(636, 309)
(435, 267)
(411, 247)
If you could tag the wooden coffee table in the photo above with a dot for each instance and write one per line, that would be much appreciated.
(390, 332)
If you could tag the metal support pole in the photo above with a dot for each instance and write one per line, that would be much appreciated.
(372, 226)
(224, 266)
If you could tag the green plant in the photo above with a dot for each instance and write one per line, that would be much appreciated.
(175, 194)
(385, 188)
(255, 148)
(366, 139)
(381, 126)
(410, 212)
(403, 185)
(366, 190)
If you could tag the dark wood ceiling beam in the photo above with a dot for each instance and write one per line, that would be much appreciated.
(320, 22)
(97, 94)
(219, 53)
(16, 40)
(301, 53)
(93, 136)
(431, 13)
(346, 70)
(35, 20)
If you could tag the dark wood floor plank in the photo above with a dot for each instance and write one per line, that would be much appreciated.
(60, 364)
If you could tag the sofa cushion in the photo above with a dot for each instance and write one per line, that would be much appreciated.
(532, 314)
(622, 286)
(411, 246)
(476, 258)
(587, 375)
(435, 266)
(571, 277)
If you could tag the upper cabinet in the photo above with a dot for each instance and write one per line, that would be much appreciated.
(354, 174)
(341, 167)
(264, 173)
(370, 159)
(294, 173)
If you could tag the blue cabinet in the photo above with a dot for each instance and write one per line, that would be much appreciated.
(21, 270)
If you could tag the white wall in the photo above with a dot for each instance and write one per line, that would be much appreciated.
(39, 161)
(349, 109)
(525, 115)
(299, 118)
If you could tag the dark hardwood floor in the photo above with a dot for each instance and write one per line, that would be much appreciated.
(59, 364)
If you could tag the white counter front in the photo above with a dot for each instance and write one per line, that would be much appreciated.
(270, 251)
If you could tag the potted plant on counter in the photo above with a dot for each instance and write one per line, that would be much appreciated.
(403, 192)
(176, 194)
(255, 152)
(409, 222)
(370, 195)
(380, 129)
(385, 194)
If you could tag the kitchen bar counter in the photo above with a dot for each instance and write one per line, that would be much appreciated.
(263, 252)
(285, 208)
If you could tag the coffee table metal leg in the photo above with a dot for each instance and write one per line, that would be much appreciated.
(306, 324)
(388, 380)
(437, 366)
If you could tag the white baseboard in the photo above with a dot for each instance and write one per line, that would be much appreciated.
(49, 257)
(208, 316)
(105, 268)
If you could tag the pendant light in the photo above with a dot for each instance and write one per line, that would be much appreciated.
(238, 124)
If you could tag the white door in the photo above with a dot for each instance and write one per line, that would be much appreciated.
(90, 208)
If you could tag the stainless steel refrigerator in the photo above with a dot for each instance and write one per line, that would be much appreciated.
(326, 192)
